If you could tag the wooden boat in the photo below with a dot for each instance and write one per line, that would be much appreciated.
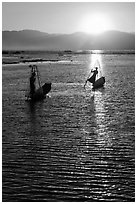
(41, 92)
(99, 83)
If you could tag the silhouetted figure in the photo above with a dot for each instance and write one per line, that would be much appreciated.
(92, 79)
(32, 82)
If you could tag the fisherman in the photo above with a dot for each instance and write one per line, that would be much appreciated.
(95, 72)
(93, 77)
(32, 82)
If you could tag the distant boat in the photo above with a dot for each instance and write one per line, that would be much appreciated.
(100, 81)
(40, 92)
(60, 54)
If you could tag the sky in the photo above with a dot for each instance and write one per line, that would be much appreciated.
(69, 17)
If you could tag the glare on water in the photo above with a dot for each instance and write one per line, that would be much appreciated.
(96, 61)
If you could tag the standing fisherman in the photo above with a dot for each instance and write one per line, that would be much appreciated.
(32, 82)
(92, 79)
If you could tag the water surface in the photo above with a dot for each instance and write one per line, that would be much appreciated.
(76, 145)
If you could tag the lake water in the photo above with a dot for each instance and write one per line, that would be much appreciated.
(77, 144)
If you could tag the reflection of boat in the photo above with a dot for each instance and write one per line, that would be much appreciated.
(100, 81)
(40, 92)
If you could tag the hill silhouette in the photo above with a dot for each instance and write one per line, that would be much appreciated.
(36, 40)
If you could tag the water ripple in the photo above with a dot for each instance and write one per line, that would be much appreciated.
(74, 146)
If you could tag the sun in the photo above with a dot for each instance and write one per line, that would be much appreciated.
(95, 24)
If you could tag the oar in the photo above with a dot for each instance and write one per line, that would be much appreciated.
(87, 78)
(85, 83)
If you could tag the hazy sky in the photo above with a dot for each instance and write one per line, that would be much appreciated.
(67, 17)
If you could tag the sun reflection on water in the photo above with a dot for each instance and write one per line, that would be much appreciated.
(101, 117)
(96, 60)
(100, 112)
(96, 57)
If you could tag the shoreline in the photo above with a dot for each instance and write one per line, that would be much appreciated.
(29, 61)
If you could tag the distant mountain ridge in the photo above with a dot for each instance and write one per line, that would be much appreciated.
(36, 40)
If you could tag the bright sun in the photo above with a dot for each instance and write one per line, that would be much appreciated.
(95, 24)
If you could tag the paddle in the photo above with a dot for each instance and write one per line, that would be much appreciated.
(85, 83)
(87, 78)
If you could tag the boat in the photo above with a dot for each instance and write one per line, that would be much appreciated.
(96, 83)
(41, 92)
(99, 83)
